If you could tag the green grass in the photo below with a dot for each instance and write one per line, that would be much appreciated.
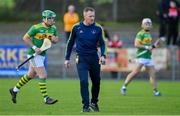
(138, 101)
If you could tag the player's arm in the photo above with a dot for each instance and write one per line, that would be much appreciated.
(69, 47)
(70, 44)
(103, 43)
(54, 38)
(27, 39)
(158, 43)
(103, 47)
(138, 42)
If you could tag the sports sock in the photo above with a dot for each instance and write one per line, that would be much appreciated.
(124, 87)
(15, 89)
(155, 90)
(22, 81)
(125, 84)
(43, 88)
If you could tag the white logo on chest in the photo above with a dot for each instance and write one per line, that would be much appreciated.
(93, 31)
(81, 31)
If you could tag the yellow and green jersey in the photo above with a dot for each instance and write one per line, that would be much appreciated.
(38, 33)
(145, 39)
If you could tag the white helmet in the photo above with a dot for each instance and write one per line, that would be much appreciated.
(146, 23)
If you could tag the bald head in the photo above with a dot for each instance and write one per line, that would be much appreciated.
(71, 8)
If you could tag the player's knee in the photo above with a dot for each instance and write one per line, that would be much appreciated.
(135, 72)
(98, 81)
(96, 85)
(152, 73)
(31, 74)
(43, 75)
(153, 78)
(83, 82)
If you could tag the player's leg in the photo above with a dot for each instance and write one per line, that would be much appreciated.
(95, 78)
(170, 32)
(175, 33)
(82, 68)
(163, 28)
(25, 78)
(130, 76)
(22, 81)
(41, 72)
(151, 71)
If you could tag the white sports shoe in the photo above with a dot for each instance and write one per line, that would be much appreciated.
(157, 93)
(123, 90)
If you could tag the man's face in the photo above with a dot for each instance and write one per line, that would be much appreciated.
(147, 26)
(49, 21)
(71, 9)
(89, 17)
(172, 4)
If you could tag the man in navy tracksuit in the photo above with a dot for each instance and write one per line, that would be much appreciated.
(87, 35)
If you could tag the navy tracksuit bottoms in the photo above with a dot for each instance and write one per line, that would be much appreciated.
(88, 65)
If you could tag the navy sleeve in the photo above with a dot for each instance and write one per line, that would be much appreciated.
(70, 44)
(103, 43)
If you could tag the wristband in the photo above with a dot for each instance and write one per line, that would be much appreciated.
(153, 46)
(104, 56)
(146, 47)
(34, 47)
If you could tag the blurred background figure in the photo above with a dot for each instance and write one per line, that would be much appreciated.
(70, 18)
(106, 33)
(163, 16)
(173, 21)
(115, 42)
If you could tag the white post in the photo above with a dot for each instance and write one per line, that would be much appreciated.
(173, 61)
(42, 5)
(115, 9)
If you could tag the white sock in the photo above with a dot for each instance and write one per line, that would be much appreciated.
(45, 99)
(124, 87)
(15, 89)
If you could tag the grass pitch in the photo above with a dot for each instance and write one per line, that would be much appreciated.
(138, 101)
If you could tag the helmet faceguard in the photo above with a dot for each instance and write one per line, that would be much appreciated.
(48, 17)
(146, 24)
